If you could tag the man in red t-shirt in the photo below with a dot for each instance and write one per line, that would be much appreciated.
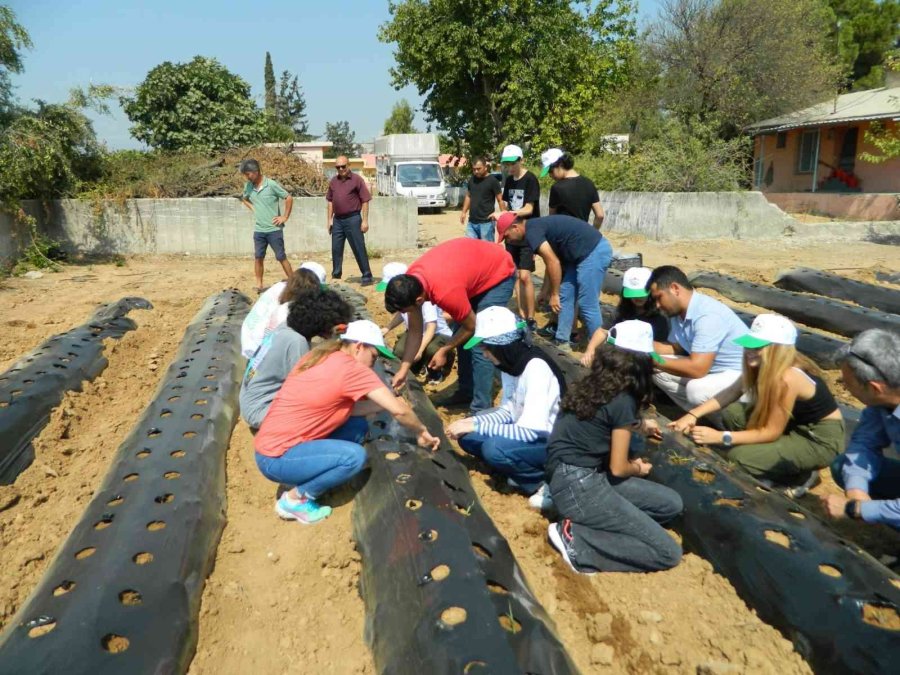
(461, 276)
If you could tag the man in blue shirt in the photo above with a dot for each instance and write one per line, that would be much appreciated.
(870, 366)
(701, 357)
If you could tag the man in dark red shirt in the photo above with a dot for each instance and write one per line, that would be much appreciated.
(348, 219)
(461, 276)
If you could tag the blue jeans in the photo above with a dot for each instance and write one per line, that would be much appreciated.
(584, 283)
(615, 521)
(483, 231)
(349, 228)
(886, 484)
(476, 373)
(520, 460)
(317, 466)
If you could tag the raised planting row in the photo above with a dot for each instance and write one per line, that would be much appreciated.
(830, 315)
(836, 603)
(123, 593)
(808, 280)
(36, 383)
(443, 591)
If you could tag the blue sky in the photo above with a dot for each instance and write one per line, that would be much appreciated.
(332, 46)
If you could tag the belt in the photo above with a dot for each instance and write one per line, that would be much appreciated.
(347, 215)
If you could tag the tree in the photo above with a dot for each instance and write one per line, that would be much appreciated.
(269, 79)
(522, 71)
(198, 105)
(864, 32)
(291, 107)
(729, 63)
(401, 119)
(13, 39)
(343, 139)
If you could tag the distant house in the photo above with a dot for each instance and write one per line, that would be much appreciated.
(817, 151)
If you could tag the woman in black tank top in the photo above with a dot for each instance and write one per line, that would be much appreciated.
(791, 425)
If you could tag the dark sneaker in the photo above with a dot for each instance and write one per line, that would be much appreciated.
(335, 276)
(563, 346)
(367, 281)
(806, 482)
(532, 325)
(457, 399)
(548, 331)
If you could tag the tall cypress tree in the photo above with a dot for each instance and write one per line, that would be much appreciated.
(271, 96)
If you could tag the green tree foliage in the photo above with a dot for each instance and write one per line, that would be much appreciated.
(344, 140)
(198, 105)
(729, 63)
(523, 71)
(291, 107)
(401, 119)
(269, 80)
(13, 40)
(864, 32)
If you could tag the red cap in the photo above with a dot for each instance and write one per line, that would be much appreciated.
(503, 223)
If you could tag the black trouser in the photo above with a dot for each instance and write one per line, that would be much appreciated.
(348, 227)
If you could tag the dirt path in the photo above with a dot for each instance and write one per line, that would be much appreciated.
(282, 595)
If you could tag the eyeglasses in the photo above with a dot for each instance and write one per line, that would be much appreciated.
(865, 360)
(340, 166)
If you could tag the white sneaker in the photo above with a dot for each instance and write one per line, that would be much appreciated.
(541, 500)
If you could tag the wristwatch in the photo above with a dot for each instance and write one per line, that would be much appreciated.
(726, 439)
(853, 509)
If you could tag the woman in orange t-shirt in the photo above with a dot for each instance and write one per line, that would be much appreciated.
(311, 435)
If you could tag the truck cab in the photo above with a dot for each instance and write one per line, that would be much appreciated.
(408, 166)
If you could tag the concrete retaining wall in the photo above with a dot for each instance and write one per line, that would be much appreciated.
(219, 226)
(846, 206)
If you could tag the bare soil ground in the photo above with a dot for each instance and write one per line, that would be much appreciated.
(283, 595)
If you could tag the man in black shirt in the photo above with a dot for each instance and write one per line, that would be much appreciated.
(571, 194)
(522, 196)
(482, 191)
(576, 257)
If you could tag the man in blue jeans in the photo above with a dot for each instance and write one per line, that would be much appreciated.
(576, 256)
(263, 197)
(870, 367)
(348, 219)
(482, 191)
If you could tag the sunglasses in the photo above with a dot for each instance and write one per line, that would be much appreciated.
(867, 362)
(340, 166)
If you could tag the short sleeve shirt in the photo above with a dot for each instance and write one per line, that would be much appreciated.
(574, 197)
(454, 272)
(710, 326)
(312, 403)
(267, 370)
(431, 313)
(572, 240)
(586, 443)
(525, 190)
(347, 195)
(482, 198)
(266, 201)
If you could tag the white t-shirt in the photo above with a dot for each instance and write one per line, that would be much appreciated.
(265, 315)
(431, 312)
(532, 398)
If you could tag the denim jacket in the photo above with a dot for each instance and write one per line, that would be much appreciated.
(878, 428)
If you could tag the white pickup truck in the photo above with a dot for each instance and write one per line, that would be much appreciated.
(408, 166)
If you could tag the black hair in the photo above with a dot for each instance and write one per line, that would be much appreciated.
(565, 162)
(627, 310)
(613, 371)
(315, 312)
(249, 165)
(401, 292)
(666, 275)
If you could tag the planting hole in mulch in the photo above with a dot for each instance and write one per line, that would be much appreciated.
(779, 538)
(114, 644)
(453, 616)
(881, 616)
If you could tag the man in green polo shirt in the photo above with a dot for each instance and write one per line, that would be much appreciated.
(263, 196)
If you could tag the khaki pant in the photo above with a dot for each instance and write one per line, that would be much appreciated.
(802, 448)
(436, 343)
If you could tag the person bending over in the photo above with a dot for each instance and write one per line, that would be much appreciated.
(701, 358)
(271, 309)
(635, 303)
(610, 514)
(435, 334)
(512, 439)
(311, 437)
(314, 313)
(791, 426)
(870, 367)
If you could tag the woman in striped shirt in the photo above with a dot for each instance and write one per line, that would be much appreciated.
(512, 438)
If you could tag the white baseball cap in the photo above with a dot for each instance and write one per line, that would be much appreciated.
(491, 322)
(511, 153)
(391, 270)
(634, 282)
(316, 269)
(549, 158)
(634, 336)
(769, 329)
(368, 333)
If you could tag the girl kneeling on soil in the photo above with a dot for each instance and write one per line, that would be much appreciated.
(314, 313)
(610, 513)
(309, 438)
(792, 425)
(635, 303)
(512, 439)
